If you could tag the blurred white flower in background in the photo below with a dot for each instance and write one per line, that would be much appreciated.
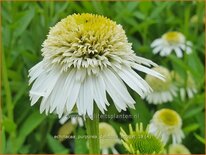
(166, 123)
(186, 86)
(108, 138)
(85, 57)
(163, 91)
(172, 41)
(178, 149)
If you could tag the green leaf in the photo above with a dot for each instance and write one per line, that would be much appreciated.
(201, 139)
(32, 122)
(3, 142)
(21, 25)
(34, 119)
(193, 112)
(9, 125)
(191, 128)
(56, 146)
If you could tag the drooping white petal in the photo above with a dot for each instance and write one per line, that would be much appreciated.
(100, 93)
(117, 90)
(85, 99)
(63, 119)
(147, 71)
(156, 42)
(157, 49)
(178, 52)
(72, 91)
(35, 71)
(105, 151)
(43, 85)
(128, 77)
(80, 121)
(144, 61)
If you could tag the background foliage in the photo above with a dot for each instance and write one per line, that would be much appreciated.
(25, 26)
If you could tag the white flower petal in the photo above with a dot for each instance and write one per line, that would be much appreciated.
(178, 52)
(100, 93)
(73, 91)
(105, 151)
(35, 71)
(63, 119)
(147, 71)
(117, 90)
(144, 61)
(43, 85)
(156, 42)
(157, 49)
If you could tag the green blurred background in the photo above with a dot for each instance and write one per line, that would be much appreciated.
(25, 26)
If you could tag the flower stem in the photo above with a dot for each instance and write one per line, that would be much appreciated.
(92, 127)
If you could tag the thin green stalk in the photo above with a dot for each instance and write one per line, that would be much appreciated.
(92, 127)
(7, 88)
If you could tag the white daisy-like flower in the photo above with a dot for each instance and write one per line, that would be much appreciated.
(187, 87)
(178, 149)
(163, 91)
(108, 138)
(85, 56)
(172, 41)
(166, 123)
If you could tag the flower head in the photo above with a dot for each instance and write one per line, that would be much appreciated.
(178, 149)
(163, 91)
(108, 138)
(140, 141)
(171, 41)
(187, 87)
(85, 56)
(166, 123)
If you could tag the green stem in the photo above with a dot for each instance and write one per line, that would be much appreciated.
(7, 88)
(92, 127)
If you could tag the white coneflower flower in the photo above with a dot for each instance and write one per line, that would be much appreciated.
(171, 41)
(163, 91)
(86, 56)
(187, 87)
(140, 141)
(108, 138)
(178, 149)
(166, 123)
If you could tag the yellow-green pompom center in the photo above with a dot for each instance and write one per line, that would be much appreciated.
(168, 117)
(157, 84)
(173, 37)
(84, 41)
